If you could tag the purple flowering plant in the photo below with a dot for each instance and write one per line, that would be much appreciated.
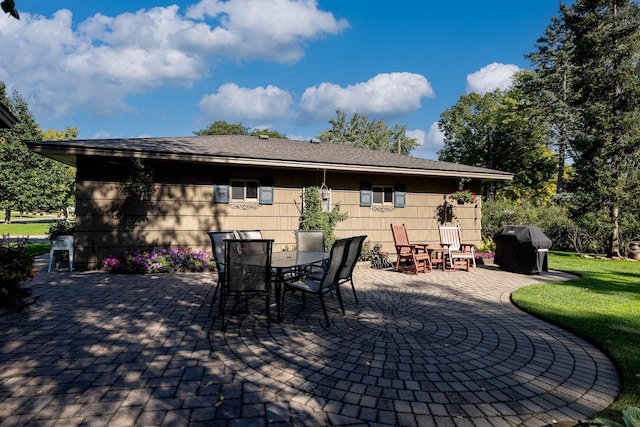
(160, 261)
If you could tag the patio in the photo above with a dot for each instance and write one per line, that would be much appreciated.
(434, 349)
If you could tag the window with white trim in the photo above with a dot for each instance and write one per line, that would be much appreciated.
(244, 191)
(382, 195)
(378, 195)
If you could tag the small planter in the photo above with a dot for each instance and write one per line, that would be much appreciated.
(634, 250)
(380, 263)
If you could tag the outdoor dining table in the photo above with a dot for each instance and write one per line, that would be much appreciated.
(289, 261)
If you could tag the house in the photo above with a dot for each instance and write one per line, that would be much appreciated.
(205, 183)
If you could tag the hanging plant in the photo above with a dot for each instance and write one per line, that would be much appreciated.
(464, 196)
(139, 185)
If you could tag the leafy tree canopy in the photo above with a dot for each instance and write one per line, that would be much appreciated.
(30, 182)
(221, 127)
(359, 131)
(269, 132)
(498, 130)
(9, 6)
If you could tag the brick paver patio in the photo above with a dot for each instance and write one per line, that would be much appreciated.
(436, 349)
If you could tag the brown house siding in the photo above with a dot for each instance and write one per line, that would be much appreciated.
(183, 209)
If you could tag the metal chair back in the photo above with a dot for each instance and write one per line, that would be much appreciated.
(310, 240)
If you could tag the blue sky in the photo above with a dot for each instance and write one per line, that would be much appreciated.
(168, 68)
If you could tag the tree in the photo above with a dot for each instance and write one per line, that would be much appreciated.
(269, 132)
(29, 182)
(221, 127)
(500, 130)
(360, 132)
(606, 40)
(314, 218)
(60, 191)
(9, 6)
(548, 87)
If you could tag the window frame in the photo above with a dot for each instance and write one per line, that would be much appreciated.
(382, 191)
(245, 187)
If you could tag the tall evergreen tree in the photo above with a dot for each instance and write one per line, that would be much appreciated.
(606, 84)
(548, 88)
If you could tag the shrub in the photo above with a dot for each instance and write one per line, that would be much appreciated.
(16, 266)
(314, 218)
(374, 254)
(61, 228)
(160, 261)
(554, 221)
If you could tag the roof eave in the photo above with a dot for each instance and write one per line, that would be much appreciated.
(7, 119)
(68, 156)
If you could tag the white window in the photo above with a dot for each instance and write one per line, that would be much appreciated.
(244, 191)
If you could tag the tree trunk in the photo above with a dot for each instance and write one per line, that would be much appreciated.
(7, 216)
(562, 149)
(615, 233)
(562, 140)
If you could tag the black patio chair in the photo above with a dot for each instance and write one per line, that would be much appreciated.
(217, 249)
(325, 282)
(247, 271)
(346, 274)
(311, 241)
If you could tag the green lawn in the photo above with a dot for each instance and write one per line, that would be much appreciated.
(36, 249)
(25, 228)
(603, 306)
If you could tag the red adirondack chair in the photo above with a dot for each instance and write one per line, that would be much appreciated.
(411, 257)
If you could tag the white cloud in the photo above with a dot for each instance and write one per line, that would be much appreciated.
(434, 138)
(270, 30)
(98, 64)
(418, 135)
(430, 141)
(387, 94)
(491, 77)
(234, 103)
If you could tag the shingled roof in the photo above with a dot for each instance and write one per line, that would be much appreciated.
(260, 151)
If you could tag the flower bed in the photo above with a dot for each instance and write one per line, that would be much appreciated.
(160, 261)
(484, 257)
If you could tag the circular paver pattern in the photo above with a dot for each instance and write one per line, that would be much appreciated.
(436, 349)
(419, 349)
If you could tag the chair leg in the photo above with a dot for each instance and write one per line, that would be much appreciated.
(353, 288)
(324, 309)
(268, 310)
(283, 291)
(340, 299)
(50, 260)
(213, 300)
